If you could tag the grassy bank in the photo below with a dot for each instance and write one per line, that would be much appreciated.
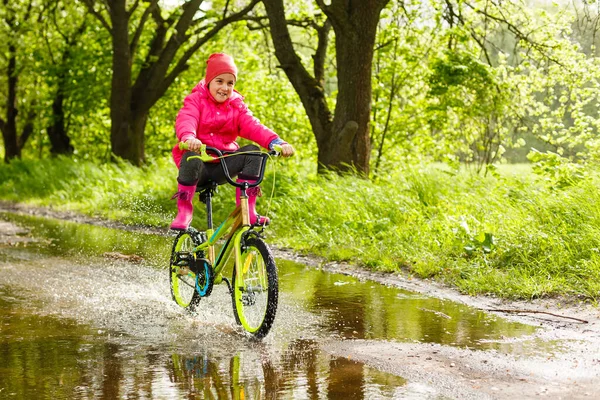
(511, 234)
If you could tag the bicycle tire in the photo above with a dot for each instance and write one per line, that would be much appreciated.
(255, 298)
(181, 278)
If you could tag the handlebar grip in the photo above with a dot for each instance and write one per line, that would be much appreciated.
(277, 148)
(204, 156)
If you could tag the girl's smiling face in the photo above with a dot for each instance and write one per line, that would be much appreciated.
(221, 87)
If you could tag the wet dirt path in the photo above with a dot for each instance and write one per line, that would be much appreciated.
(336, 335)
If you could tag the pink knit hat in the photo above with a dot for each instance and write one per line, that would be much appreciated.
(217, 64)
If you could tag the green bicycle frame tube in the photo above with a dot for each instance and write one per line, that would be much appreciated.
(218, 234)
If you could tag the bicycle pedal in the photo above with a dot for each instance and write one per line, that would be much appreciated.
(182, 259)
(184, 271)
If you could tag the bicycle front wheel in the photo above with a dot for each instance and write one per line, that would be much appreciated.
(181, 276)
(255, 295)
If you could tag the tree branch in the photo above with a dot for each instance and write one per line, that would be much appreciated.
(28, 11)
(140, 28)
(481, 45)
(69, 41)
(107, 5)
(225, 10)
(156, 74)
(97, 14)
(583, 321)
(309, 89)
(335, 12)
(322, 5)
(52, 12)
(182, 63)
(133, 7)
(179, 36)
(321, 51)
(27, 130)
(515, 30)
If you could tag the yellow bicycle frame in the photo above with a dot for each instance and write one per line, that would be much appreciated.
(236, 224)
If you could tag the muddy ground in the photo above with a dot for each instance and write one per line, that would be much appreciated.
(567, 366)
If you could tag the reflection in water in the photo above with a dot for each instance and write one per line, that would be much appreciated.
(79, 326)
(365, 310)
(38, 356)
(57, 237)
(302, 372)
(345, 379)
(57, 358)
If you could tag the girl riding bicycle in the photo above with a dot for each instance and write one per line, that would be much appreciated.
(215, 114)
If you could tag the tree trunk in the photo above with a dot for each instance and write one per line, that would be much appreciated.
(355, 39)
(137, 129)
(309, 89)
(123, 142)
(344, 142)
(9, 126)
(60, 143)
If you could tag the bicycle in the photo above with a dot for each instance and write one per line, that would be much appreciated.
(194, 269)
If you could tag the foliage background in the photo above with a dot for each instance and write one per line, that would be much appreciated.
(474, 93)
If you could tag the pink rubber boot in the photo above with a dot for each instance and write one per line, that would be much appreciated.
(252, 193)
(185, 208)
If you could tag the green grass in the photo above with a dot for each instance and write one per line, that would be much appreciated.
(511, 235)
(115, 191)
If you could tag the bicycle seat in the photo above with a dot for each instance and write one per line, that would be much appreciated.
(206, 186)
(206, 189)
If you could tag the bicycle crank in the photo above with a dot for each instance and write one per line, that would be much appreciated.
(183, 271)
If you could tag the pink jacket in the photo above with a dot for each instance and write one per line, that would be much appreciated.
(218, 124)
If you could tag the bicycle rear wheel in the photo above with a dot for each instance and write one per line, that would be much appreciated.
(182, 279)
(255, 296)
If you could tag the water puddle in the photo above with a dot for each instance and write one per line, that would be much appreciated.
(86, 310)
(355, 309)
(48, 357)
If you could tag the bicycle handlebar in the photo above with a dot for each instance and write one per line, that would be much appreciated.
(205, 157)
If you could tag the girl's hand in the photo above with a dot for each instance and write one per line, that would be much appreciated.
(193, 144)
(287, 150)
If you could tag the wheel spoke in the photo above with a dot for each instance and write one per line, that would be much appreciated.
(255, 297)
(183, 286)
